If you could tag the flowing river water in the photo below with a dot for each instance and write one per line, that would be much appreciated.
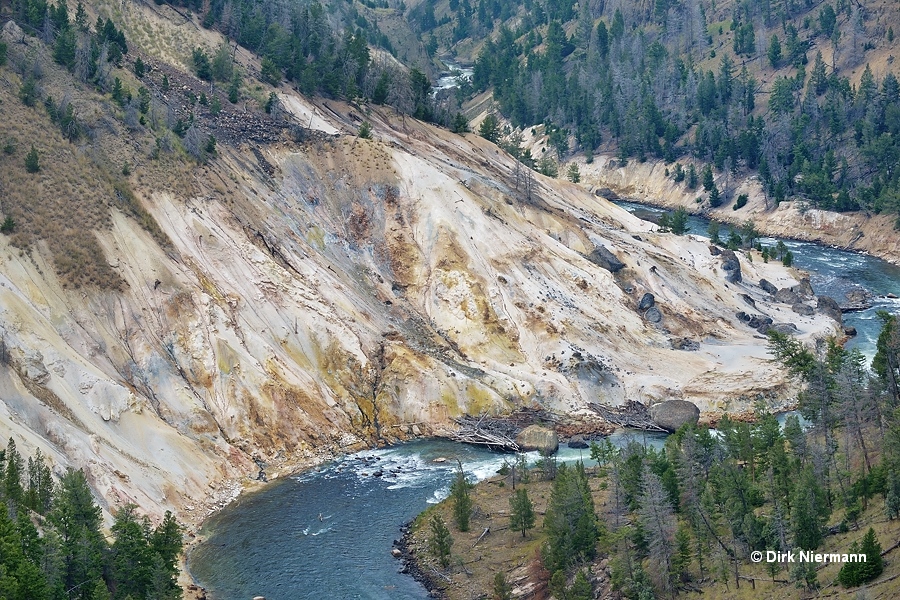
(328, 532)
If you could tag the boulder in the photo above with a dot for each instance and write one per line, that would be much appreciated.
(803, 309)
(767, 286)
(653, 315)
(714, 250)
(535, 437)
(849, 330)
(746, 298)
(686, 344)
(672, 414)
(605, 259)
(857, 299)
(732, 266)
(788, 296)
(828, 306)
(758, 322)
(578, 441)
(32, 367)
(647, 300)
(783, 328)
(804, 289)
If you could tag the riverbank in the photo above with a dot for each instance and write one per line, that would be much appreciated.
(648, 183)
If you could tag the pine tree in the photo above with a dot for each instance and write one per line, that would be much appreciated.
(658, 522)
(692, 177)
(77, 520)
(580, 588)
(874, 565)
(131, 558)
(714, 198)
(39, 495)
(849, 575)
(774, 52)
(502, 589)
(12, 478)
(490, 128)
(441, 541)
(570, 522)
(808, 511)
(166, 544)
(709, 181)
(678, 222)
(521, 514)
(462, 501)
(573, 174)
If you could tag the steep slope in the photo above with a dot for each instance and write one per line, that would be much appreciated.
(366, 290)
(310, 295)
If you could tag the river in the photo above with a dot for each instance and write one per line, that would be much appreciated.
(328, 532)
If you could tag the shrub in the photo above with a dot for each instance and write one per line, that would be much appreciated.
(547, 166)
(28, 93)
(365, 130)
(740, 203)
(271, 103)
(201, 64)
(8, 225)
(32, 161)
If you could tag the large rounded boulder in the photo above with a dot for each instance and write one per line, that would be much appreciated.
(535, 437)
(672, 414)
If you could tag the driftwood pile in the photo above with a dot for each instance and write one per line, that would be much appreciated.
(483, 432)
(499, 433)
(633, 414)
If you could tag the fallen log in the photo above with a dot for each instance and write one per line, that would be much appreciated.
(486, 531)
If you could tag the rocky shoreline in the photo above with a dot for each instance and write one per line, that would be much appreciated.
(409, 565)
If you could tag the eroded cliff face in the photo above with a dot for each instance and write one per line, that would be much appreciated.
(337, 292)
(648, 182)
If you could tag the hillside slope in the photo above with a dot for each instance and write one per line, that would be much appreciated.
(310, 295)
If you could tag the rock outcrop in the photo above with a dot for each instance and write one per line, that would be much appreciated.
(605, 259)
(731, 265)
(767, 287)
(672, 414)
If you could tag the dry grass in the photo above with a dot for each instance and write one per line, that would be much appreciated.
(502, 550)
(70, 198)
